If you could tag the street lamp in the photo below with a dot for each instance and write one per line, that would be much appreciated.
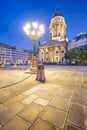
(34, 31)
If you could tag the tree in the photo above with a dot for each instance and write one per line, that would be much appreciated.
(79, 54)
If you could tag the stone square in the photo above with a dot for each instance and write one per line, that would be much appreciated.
(29, 99)
(54, 116)
(42, 125)
(32, 112)
(17, 124)
(42, 101)
(60, 103)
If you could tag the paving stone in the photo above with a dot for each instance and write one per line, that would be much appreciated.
(28, 92)
(44, 94)
(42, 125)
(86, 101)
(54, 116)
(86, 92)
(52, 91)
(42, 101)
(2, 108)
(60, 103)
(67, 93)
(79, 98)
(13, 101)
(29, 99)
(47, 87)
(80, 91)
(71, 127)
(86, 122)
(3, 96)
(17, 124)
(0, 126)
(39, 92)
(77, 115)
(8, 114)
(31, 112)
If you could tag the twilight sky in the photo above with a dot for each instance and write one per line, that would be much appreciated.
(15, 13)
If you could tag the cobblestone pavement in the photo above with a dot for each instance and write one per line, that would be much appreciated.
(58, 104)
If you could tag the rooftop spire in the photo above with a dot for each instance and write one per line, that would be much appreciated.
(57, 12)
(57, 7)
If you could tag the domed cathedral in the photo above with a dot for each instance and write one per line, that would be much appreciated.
(53, 50)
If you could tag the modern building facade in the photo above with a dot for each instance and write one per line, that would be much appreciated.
(14, 54)
(53, 50)
(80, 40)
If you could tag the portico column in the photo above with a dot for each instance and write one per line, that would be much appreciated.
(53, 54)
(44, 55)
(59, 54)
(48, 54)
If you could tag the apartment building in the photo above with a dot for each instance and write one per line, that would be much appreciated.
(13, 54)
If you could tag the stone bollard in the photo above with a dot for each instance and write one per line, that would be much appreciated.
(2, 66)
(40, 73)
(15, 66)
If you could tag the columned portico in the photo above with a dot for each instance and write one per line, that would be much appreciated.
(53, 54)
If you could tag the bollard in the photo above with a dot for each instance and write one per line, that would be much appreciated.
(2, 66)
(40, 73)
(15, 66)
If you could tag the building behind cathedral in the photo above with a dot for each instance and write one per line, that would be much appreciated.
(80, 40)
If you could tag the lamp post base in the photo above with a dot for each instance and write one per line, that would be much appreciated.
(33, 68)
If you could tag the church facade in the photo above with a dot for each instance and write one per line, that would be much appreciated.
(53, 50)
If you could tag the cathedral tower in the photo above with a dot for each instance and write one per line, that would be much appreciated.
(58, 26)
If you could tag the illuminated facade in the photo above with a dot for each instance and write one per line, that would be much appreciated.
(14, 54)
(5, 53)
(53, 50)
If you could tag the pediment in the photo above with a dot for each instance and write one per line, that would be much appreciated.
(51, 43)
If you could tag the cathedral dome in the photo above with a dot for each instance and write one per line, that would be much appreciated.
(57, 13)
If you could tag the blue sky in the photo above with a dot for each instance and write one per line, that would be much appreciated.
(15, 13)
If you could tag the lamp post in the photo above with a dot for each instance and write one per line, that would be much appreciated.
(34, 31)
